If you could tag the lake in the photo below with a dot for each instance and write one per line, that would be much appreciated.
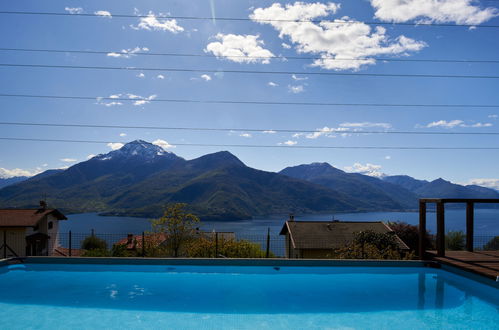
(486, 222)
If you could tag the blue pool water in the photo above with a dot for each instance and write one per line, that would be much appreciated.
(216, 297)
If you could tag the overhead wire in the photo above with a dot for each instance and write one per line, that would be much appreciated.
(240, 129)
(283, 57)
(246, 19)
(258, 145)
(214, 71)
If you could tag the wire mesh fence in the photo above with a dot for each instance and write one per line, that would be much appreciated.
(198, 245)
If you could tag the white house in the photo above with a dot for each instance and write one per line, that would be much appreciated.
(29, 232)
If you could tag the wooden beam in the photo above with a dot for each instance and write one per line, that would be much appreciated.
(422, 229)
(440, 229)
(469, 225)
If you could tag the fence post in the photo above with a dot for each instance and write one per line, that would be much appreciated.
(4, 244)
(143, 245)
(70, 244)
(267, 252)
(216, 244)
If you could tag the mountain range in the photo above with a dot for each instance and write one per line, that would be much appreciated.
(140, 178)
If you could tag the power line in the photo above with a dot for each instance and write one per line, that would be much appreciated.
(333, 131)
(259, 145)
(77, 51)
(393, 75)
(245, 19)
(322, 104)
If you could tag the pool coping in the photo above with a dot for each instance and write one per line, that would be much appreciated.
(251, 262)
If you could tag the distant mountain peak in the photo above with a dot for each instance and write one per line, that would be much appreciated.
(138, 148)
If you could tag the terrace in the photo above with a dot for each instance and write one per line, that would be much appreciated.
(485, 263)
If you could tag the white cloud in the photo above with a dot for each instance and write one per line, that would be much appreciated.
(151, 22)
(160, 76)
(366, 124)
(6, 173)
(163, 144)
(141, 75)
(493, 116)
(111, 104)
(68, 160)
(74, 10)
(122, 134)
(289, 143)
(115, 145)
(440, 11)
(296, 89)
(240, 48)
(489, 183)
(342, 44)
(206, 77)
(90, 156)
(272, 84)
(295, 77)
(456, 123)
(127, 53)
(269, 132)
(388, 157)
(325, 131)
(285, 45)
(103, 13)
(367, 169)
(246, 135)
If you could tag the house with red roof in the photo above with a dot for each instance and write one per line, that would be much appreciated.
(29, 232)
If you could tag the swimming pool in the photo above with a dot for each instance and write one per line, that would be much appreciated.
(44, 296)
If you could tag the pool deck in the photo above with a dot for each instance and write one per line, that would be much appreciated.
(485, 263)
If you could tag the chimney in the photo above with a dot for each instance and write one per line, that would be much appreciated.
(43, 205)
(291, 217)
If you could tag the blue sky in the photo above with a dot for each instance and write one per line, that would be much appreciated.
(252, 42)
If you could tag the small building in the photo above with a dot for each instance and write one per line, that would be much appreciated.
(316, 239)
(29, 232)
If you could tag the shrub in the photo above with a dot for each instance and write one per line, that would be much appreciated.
(96, 253)
(454, 240)
(492, 245)
(409, 234)
(205, 247)
(93, 243)
(371, 245)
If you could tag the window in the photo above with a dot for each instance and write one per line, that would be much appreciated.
(51, 225)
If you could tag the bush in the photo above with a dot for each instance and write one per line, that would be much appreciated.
(205, 247)
(96, 253)
(492, 245)
(454, 240)
(93, 243)
(409, 234)
(371, 245)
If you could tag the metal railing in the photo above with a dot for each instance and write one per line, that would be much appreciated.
(201, 245)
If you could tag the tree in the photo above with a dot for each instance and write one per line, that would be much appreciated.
(371, 245)
(178, 225)
(454, 240)
(492, 245)
(409, 234)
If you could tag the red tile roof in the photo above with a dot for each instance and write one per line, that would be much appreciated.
(26, 217)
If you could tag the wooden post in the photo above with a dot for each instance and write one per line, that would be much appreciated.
(440, 229)
(469, 225)
(216, 244)
(267, 252)
(143, 245)
(4, 244)
(289, 245)
(422, 230)
(70, 243)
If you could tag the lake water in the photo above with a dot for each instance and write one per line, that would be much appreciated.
(486, 222)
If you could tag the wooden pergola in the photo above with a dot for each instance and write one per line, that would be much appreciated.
(440, 209)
